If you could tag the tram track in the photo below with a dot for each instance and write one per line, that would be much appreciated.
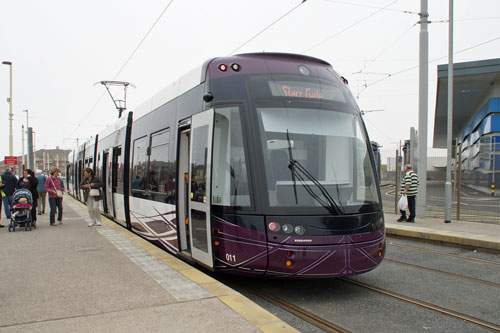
(433, 270)
(330, 326)
(299, 312)
(409, 247)
(429, 306)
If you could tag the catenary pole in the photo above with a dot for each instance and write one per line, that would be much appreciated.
(11, 136)
(29, 142)
(396, 179)
(449, 127)
(422, 108)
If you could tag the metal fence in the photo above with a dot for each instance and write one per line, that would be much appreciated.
(472, 196)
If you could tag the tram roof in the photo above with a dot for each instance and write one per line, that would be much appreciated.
(471, 83)
(187, 82)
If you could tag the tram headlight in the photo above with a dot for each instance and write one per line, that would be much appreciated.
(300, 230)
(235, 67)
(222, 67)
(287, 228)
(274, 226)
(304, 70)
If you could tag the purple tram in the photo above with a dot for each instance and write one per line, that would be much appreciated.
(255, 164)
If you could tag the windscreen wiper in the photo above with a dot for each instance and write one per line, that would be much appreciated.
(290, 166)
(300, 172)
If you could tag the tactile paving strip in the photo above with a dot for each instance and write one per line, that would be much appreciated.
(175, 283)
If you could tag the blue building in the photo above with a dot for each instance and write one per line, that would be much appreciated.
(476, 120)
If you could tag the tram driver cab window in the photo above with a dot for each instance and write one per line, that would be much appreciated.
(230, 186)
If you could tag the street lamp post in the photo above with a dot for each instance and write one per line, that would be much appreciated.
(23, 166)
(11, 140)
(27, 141)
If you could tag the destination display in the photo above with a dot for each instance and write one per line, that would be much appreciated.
(309, 90)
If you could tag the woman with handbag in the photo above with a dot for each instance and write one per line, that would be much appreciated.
(55, 189)
(92, 193)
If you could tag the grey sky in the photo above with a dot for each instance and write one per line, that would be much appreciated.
(60, 48)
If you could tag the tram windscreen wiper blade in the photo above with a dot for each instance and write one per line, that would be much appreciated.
(300, 172)
(290, 166)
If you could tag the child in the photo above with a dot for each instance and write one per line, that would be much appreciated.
(22, 207)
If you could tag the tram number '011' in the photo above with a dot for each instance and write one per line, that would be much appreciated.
(230, 257)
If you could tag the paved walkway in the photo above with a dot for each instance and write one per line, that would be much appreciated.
(72, 278)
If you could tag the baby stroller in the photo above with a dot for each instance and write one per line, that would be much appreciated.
(20, 211)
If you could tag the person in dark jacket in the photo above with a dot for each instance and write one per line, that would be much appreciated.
(90, 182)
(29, 182)
(42, 193)
(8, 186)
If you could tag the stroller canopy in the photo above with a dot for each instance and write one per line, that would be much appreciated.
(22, 193)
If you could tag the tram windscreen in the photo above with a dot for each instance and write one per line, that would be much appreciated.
(318, 159)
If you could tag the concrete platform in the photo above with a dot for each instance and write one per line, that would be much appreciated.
(475, 234)
(72, 278)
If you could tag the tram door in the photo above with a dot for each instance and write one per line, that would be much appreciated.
(115, 166)
(79, 192)
(104, 177)
(195, 159)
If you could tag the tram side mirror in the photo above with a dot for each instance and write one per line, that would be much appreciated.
(208, 97)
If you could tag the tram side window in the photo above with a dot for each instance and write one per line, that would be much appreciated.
(139, 167)
(98, 167)
(117, 170)
(199, 163)
(161, 171)
(230, 185)
(365, 177)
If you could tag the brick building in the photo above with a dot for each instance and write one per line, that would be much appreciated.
(45, 159)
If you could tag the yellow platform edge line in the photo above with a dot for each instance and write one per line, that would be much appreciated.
(447, 237)
(252, 312)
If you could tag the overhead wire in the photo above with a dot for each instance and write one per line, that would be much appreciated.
(126, 63)
(365, 119)
(467, 19)
(368, 6)
(143, 39)
(371, 61)
(477, 19)
(350, 26)
(431, 61)
(270, 25)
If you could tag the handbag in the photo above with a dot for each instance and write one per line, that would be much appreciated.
(403, 202)
(59, 193)
(95, 192)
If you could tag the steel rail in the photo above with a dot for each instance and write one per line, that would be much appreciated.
(429, 306)
(445, 254)
(423, 268)
(299, 312)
